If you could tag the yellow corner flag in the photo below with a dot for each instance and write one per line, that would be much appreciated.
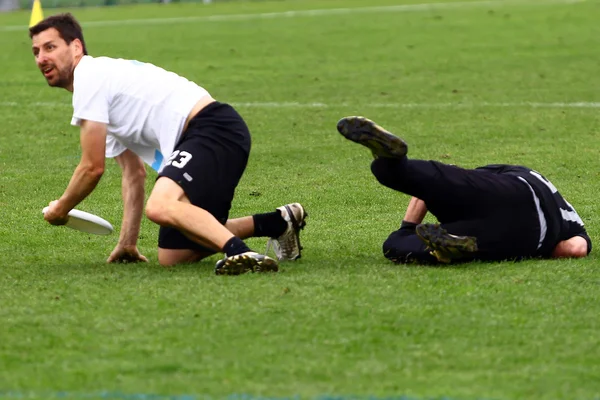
(36, 13)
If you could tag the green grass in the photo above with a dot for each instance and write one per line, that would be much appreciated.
(342, 321)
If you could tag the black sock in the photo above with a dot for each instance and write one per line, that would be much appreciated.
(235, 246)
(269, 224)
(408, 225)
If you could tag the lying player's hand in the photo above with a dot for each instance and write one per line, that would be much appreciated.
(126, 254)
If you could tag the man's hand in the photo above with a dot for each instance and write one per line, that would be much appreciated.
(126, 254)
(55, 215)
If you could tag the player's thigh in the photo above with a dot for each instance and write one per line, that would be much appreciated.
(176, 248)
(165, 189)
(164, 195)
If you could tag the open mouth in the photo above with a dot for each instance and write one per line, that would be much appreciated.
(47, 71)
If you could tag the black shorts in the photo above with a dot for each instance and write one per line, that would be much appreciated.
(208, 163)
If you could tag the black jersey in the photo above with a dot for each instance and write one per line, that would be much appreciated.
(562, 220)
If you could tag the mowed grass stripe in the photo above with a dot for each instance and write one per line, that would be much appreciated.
(526, 104)
(314, 13)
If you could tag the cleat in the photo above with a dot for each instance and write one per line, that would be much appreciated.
(287, 246)
(245, 263)
(366, 132)
(444, 246)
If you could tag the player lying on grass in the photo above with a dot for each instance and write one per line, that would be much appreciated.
(495, 212)
(137, 112)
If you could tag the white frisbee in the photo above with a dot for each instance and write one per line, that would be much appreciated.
(86, 222)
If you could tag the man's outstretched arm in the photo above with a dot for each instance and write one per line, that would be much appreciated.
(87, 174)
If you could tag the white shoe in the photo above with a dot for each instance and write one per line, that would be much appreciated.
(287, 246)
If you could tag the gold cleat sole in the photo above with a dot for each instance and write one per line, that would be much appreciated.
(363, 131)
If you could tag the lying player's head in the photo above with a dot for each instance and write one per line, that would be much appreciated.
(57, 44)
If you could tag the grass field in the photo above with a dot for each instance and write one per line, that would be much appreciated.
(465, 83)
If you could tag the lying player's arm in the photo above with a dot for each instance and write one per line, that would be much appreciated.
(415, 212)
(404, 246)
(575, 247)
(87, 174)
(133, 190)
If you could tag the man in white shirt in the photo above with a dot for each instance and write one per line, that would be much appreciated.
(136, 112)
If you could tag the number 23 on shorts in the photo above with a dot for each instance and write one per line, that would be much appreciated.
(179, 159)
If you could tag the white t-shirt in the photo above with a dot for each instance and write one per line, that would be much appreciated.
(145, 107)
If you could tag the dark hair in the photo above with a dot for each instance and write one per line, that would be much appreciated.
(67, 26)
